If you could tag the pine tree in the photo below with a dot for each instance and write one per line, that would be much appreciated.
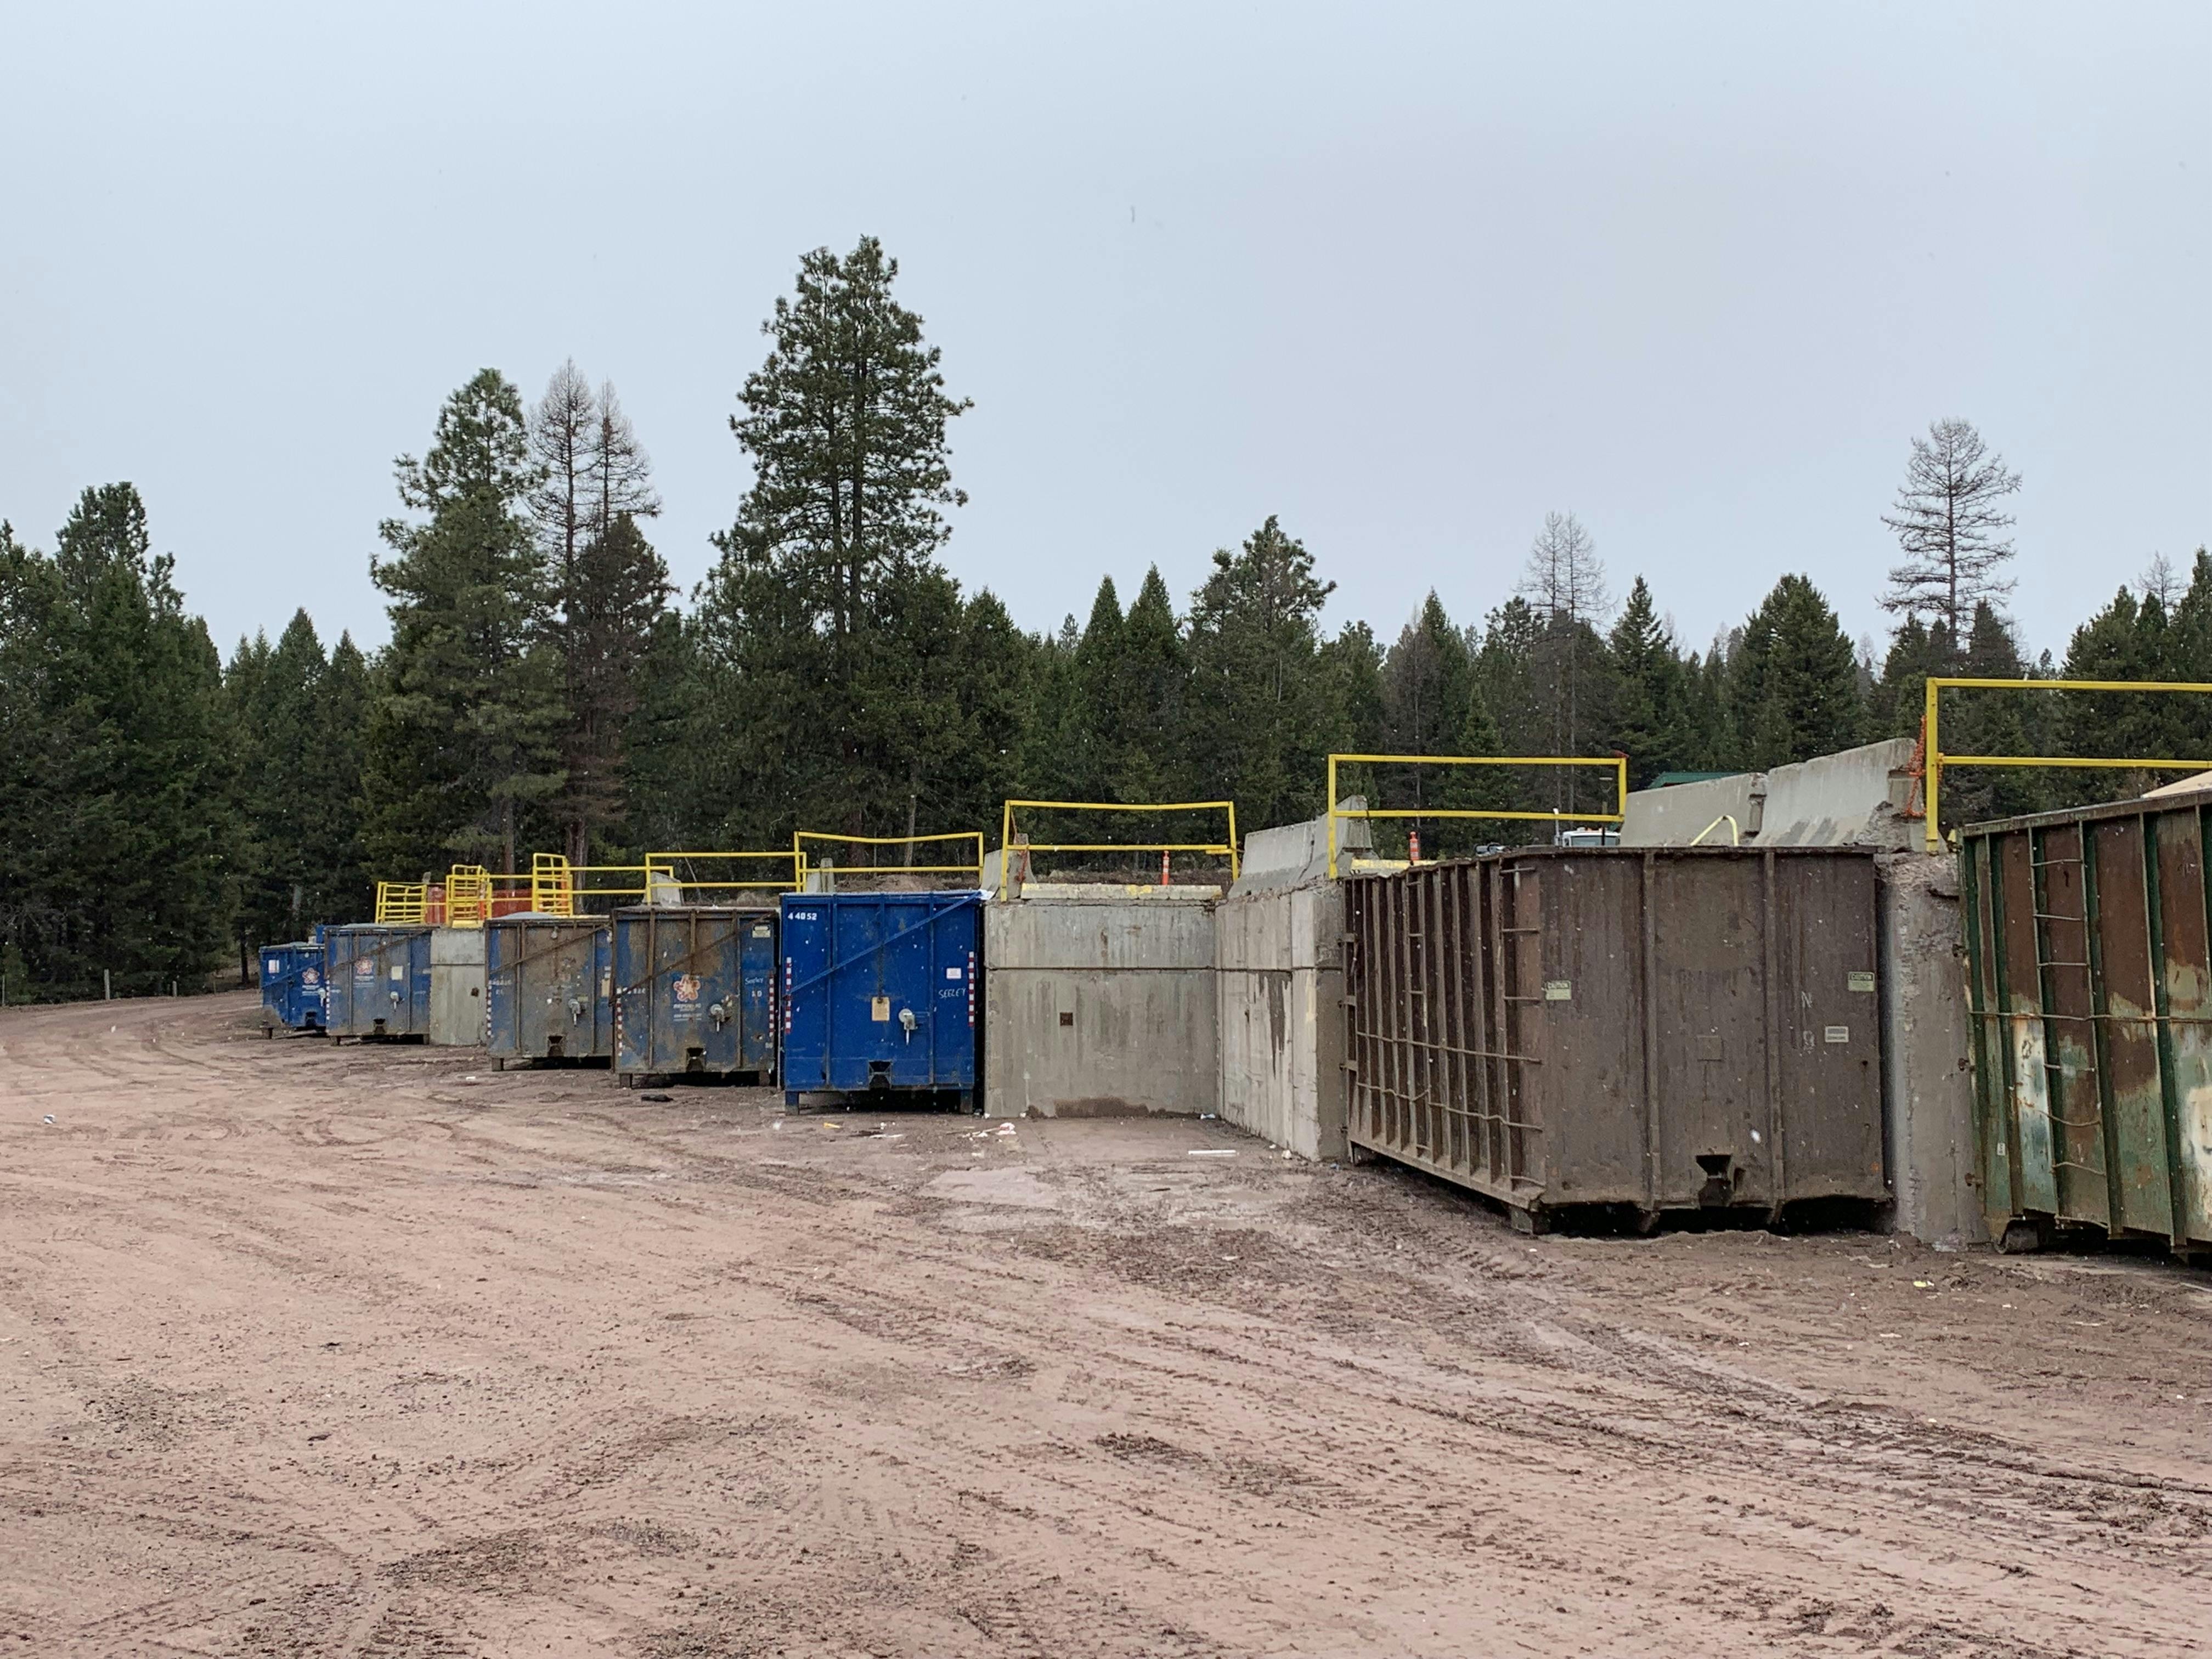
(1433, 705)
(118, 826)
(2128, 639)
(1793, 688)
(608, 616)
(832, 553)
(1155, 700)
(1261, 718)
(1649, 719)
(464, 735)
(1098, 722)
(1351, 674)
(344, 886)
(274, 695)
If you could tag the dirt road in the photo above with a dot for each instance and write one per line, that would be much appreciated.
(378, 1351)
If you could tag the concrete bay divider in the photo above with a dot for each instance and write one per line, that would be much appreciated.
(1279, 964)
(1099, 1001)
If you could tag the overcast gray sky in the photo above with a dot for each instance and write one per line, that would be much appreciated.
(1407, 276)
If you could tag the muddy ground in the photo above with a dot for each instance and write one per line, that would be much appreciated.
(374, 1350)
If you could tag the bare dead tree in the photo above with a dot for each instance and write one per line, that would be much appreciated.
(562, 431)
(1949, 523)
(619, 473)
(1564, 584)
(609, 584)
(2161, 581)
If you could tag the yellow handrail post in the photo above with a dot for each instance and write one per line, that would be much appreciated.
(1931, 766)
(1332, 818)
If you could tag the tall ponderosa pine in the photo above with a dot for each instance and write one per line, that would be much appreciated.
(828, 606)
(465, 740)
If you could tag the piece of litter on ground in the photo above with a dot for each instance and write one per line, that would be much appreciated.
(1213, 1151)
(50, 1117)
(658, 1100)
(1921, 1285)
(473, 1077)
(779, 1123)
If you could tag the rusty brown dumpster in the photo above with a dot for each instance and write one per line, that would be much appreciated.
(1662, 1029)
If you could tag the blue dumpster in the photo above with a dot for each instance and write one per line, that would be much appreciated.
(548, 990)
(292, 986)
(880, 992)
(378, 977)
(695, 991)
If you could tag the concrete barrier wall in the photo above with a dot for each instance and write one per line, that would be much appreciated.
(1677, 815)
(1099, 1008)
(1278, 965)
(1928, 1092)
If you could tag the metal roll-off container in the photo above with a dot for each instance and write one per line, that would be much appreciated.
(2088, 937)
(292, 986)
(549, 991)
(695, 991)
(378, 976)
(880, 993)
(1682, 1029)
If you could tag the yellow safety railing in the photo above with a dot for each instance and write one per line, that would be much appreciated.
(1215, 848)
(661, 868)
(1937, 762)
(552, 885)
(608, 881)
(1618, 764)
(973, 868)
(403, 901)
(468, 895)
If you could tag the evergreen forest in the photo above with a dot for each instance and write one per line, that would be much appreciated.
(165, 808)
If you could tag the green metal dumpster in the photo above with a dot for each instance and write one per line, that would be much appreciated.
(2089, 969)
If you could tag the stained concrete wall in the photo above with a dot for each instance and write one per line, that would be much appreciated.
(457, 986)
(1927, 1090)
(1848, 799)
(1100, 1006)
(1279, 969)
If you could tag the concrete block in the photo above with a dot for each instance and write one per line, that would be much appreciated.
(1846, 799)
(1280, 973)
(1928, 1092)
(1678, 814)
(1100, 1007)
